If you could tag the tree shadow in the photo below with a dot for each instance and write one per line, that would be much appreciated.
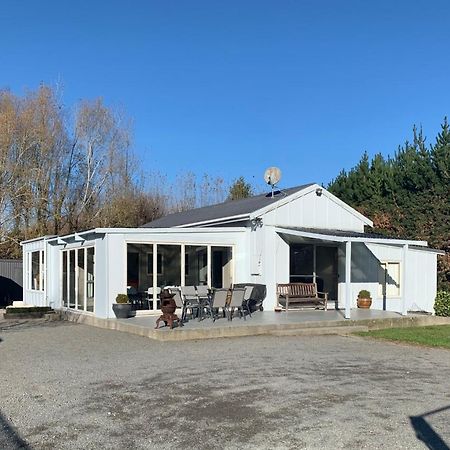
(9, 436)
(425, 432)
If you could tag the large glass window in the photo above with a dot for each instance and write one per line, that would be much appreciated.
(221, 267)
(195, 265)
(64, 279)
(173, 265)
(77, 286)
(90, 264)
(71, 278)
(301, 263)
(36, 271)
(81, 280)
(169, 265)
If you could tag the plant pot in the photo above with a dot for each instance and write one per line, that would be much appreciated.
(364, 303)
(123, 310)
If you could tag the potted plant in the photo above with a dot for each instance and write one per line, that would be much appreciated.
(122, 308)
(364, 299)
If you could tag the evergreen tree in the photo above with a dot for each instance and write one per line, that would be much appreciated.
(240, 189)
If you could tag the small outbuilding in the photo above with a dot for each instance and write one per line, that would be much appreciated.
(300, 234)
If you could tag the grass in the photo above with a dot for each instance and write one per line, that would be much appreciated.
(433, 336)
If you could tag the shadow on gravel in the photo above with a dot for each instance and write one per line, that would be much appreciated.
(13, 325)
(9, 437)
(425, 433)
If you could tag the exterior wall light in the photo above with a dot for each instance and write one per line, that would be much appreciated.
(319, 192)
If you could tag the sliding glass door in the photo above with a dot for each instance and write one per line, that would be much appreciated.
(77, 284)
(153, 266)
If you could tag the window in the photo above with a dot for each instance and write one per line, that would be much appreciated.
(159, 264)
(36, 270)
(389, 279)
(77, 284)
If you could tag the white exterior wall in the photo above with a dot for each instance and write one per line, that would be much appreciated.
(420, 276)
(312, 211)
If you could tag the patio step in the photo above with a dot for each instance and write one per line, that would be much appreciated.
(320, 331)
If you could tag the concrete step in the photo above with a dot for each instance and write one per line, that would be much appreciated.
(320, 331)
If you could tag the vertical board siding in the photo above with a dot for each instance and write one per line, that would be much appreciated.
(11, 280)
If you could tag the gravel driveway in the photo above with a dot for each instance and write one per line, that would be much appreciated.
(69, 386)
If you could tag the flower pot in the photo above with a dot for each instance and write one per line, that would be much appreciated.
(123, 310)
(364, 303)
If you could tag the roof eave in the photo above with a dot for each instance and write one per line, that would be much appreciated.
(333, 238)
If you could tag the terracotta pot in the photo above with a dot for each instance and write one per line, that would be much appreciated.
(364, 303)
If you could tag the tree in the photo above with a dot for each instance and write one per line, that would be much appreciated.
(240, 189)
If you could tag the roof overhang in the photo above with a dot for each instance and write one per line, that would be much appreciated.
(84, 235)
(335, 238)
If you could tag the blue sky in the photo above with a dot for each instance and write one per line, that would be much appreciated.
(232, 87)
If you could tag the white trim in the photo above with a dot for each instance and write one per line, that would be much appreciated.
(229, 219)
(348, 278)
(326, 237)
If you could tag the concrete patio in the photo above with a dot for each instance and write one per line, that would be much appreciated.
(302, 322)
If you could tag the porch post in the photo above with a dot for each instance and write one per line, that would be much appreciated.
(403, 279)
(348, 281)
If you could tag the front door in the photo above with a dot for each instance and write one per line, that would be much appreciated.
(326, 269)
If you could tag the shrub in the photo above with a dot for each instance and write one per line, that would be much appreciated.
(122, 298)
(364, 294)
(442, 304)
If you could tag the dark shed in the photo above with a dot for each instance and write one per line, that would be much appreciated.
(11, 272)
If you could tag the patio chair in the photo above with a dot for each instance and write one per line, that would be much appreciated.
(205, 300)
(237, 298)
(219, 300)
(133, 296)
(190, 301)
(150, 297)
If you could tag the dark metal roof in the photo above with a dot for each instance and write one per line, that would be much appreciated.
(343, 233)
(356, 234)
(231, 208)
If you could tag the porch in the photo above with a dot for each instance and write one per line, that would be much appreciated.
(262, 323)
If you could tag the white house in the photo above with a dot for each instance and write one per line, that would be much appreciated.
(302, 233)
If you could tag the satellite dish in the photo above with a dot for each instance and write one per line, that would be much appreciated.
(272, 176)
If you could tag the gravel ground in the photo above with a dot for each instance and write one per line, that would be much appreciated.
(69, 386)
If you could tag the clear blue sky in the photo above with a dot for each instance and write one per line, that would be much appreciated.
(231, 87)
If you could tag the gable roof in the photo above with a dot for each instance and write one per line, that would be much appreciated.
(230, 209)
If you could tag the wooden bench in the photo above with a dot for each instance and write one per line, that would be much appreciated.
(297, 295)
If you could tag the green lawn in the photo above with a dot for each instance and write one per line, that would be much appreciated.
(434, 336)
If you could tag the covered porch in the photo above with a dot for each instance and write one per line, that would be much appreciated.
(343, 263)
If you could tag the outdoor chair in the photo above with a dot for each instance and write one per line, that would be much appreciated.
(237, 298)
(134, 297)
(205, 300)
(150, 298)
(190, 301)
(219, 300)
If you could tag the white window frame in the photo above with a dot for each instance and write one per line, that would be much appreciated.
(29, 271)
(85, 280)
